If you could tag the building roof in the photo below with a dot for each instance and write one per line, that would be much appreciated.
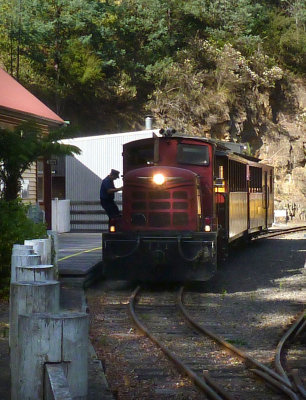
(15, 98)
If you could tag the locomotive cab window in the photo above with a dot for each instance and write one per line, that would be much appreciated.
(192, 154)
(141, 155)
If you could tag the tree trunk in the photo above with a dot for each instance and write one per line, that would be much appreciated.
(12, 186)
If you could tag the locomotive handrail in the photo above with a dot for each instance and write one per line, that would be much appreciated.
(131, 252)
(189, 259)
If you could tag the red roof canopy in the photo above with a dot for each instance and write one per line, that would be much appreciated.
(15, 97)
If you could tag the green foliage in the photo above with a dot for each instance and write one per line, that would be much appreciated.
(206, 84)
(286, 39)
(96, 60)
(21, 147)
(15, 227)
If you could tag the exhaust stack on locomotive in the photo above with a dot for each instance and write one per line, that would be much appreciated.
(178, 201)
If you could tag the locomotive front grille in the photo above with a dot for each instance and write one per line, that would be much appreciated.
(139, 195)
(180, 205)
(139, 205)
(161, 205)
(180, 194)
(145, 207)
(159, 220)
(159, 195)
(180, 219)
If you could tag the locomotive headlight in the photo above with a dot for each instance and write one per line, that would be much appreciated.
(158, 179)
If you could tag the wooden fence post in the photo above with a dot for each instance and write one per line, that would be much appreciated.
(32, 273)
(42, 247)
(54, 250)
(46, 337)
(26, 298)
(21, 261)
(21, 249)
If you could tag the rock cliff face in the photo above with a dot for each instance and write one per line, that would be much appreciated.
(274, 124)
(284, 147)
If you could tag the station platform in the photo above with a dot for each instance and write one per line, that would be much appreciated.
(78, 253)
(79, 257)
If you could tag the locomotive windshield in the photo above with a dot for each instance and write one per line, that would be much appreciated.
(141, 155)
(192, 154)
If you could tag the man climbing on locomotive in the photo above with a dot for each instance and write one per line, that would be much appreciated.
(107, 194)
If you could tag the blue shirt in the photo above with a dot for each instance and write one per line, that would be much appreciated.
(106, 184)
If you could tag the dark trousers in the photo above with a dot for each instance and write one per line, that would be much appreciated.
(110, 208)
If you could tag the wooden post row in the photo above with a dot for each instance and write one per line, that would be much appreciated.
(52, 338)
(26, 298)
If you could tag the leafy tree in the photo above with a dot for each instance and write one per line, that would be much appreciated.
(202, 90)
(21, 147)
(97, 61)
(286, 41)
(49, 36)
(15, 227)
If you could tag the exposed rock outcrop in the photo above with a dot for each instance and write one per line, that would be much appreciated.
(274, 124)
(284, 147)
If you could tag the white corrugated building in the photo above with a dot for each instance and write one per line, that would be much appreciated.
(84, 172)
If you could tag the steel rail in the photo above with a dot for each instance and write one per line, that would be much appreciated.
(301, 227)
(211, 389)
(275, 383)
(301, 328)
(296, 327)
(298, 382)
(277, 380)
(280, 232)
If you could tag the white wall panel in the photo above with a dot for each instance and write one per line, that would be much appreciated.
(99, 155)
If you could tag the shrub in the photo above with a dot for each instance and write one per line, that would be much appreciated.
(15, 227)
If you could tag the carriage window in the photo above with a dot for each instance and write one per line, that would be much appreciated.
(237, 176)
(255, 180)
(192, 154)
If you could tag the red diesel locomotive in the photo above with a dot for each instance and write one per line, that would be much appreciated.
(184, 200)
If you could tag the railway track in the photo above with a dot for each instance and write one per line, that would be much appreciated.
(138, 369)
(225, 379)
(277, 232)
(150, 374)
(279, 379)
(293, 334)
